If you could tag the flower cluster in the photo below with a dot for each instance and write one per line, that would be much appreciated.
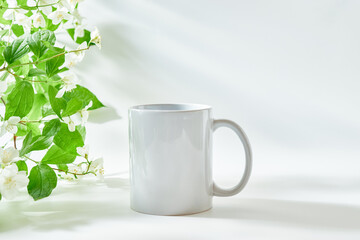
(43, 107)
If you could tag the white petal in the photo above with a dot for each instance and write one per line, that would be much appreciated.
(9, 193)
(46, 10)
(76, 118)
(11, 3)
(14, 153)
(80, 151)
(60, 93)
(10, 171)
(2, 131)
(13, 129)
(89, 105)
(14, 120)
(9, 14)
(84, 117)
(3, 86)
(71, 126)
(31, 3)
(66, 120)
(21, 179)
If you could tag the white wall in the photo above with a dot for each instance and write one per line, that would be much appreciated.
(286, 71)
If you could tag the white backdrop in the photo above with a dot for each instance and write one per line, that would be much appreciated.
(287, 71)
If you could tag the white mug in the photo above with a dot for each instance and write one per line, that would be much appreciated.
(171, 158)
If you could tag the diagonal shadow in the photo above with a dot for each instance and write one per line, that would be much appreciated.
(89, 200)
(293, 213)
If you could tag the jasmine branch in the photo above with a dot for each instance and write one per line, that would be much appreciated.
(43, 60)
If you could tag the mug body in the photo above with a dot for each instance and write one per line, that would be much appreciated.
(170, 158)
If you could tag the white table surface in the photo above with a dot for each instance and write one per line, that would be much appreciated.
(286, 71)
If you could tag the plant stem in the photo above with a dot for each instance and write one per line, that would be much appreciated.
(30, 121)
(14, 74)
(43, 60)
(15, 142)
(37, 6)
(60, 170)
(3, 101)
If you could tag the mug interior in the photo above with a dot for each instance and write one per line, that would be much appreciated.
(171, 107)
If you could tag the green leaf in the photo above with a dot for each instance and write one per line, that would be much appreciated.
(39, 101)
(36, 72)
(23, 130)
(74, 105)
(43, 180)
(22, 69)
(82, 131)
(63, 167)
(18, 30)
(85, 95)
(52, 65)
(37, 41)
(23, 5)
(16, 50)
(35, 143)
(56, 155)
(20, 100)
(57, 104)
(22, 166)
(27, 140)
(42, 84)
(51, 128)
(68, 141)
(49, 25)
(2, 59)
(3, 8)
(79, 40)
(46, 110)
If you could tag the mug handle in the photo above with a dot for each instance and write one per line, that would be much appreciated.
(220, 192)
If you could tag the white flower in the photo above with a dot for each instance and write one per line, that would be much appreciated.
(31, 3)
(38, 20)
(72, 169)
(41, 3)
(3, 87)
(59, 15)
(84, 113)
(82, 116)
(10, 126)
(79, 31)
(72, 122)
(77, 18)
(83, 151)
(81, 54)
(64, 4)
(74, 2)
(10, 79)
(9, 14)
(23, 20)
(97, 166)
(75, 169)
(96, 38)
(8, 155)
(11, 3)
(11, 180)
(71, 59)
(70, 82)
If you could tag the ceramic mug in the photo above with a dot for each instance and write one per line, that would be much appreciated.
(171, 158)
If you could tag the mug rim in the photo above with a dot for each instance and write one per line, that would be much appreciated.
(167, 107)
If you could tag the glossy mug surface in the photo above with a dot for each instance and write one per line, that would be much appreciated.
(171, 158)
